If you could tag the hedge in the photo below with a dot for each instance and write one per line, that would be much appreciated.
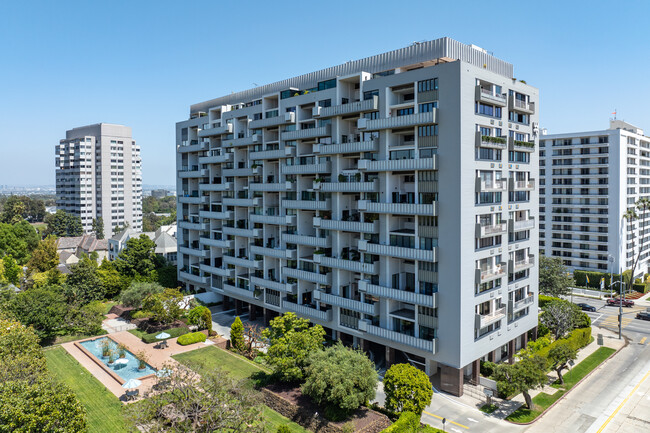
(580, 278)
(173, 332)
(194, 337)
(577, 339)
(408, 422)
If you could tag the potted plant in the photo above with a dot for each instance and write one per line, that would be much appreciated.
(106, 348)
(111, 357)
(121, 349)
(357, 177)
(142, 357)
(341, 178)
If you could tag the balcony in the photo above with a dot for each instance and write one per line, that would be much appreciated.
(244, 141)
(243, 202)
(323, 167)
(195, 252)
(282, 119)
(226, 273)
(400, 252)
(216, 187)
(217, 130)
(526, 224)
(247, 233)
(273, 187)
(522, 106)
(304, 134)
(349, 108)
(281, 220)
(274, 154)
(243, 171)
(483, 276)
(522, 185)
(350, 304)
(399, 164)
(193, 199)
(522, 303)
(190, 172)
(195, 146)
(489, 96)
(491, 142)
(216, 158)
(227, 215)
(398, 208)
(491, 230)
(273, 252)
(309, 312)
(310, 241)
(499, 185)
(238, 293)
(243, 262)
(520, 146)
(193, 225)
(484, 320)
(217, 243)
(307, 204)
(347, 265)
(313, 277)
(347, 226)
(354, 187)
(396, 337)
(399, 295)
(341, 148)
(274, 285)
(520, 265)
(187, 276)
(399, 121)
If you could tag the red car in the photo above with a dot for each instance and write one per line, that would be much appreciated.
(616, 302)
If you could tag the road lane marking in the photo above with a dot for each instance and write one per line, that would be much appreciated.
(472, 419)
(456, 430)
(449, 421)
(608, 420)
(643, 340)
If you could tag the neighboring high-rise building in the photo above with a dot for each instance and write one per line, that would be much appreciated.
(98, 176)
(390, 199)
(587, 182)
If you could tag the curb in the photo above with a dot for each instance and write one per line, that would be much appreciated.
(627, 342)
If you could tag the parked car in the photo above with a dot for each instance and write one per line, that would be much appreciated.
(643, 315)
(616, 302)
(586, 307)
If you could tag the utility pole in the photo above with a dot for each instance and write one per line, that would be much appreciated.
(620, 311)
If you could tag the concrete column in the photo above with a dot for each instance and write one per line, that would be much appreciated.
(239, 307)
(390, 356)
(535, 333)
(267, 316)
(252, 311)
(492, 356)
(524, 339)
(511, 351)
(476, 370)
(451, 380)
(363, 345)
(226, 303)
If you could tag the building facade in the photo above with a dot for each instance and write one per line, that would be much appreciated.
(164, 238)
(98, 175)
(587, 182)
(390, 199)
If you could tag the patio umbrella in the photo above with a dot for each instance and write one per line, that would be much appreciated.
(132, 383)
(122, 361)
(164, 372)
(162, 336)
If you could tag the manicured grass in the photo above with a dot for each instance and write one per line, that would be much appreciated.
(151, 338)
(108, 305)
(586, 366)
(239, 368)
(104, 410)
(488, 408)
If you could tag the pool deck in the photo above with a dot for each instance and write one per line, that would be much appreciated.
(156, 358)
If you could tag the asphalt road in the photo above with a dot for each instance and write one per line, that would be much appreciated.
(607, 316)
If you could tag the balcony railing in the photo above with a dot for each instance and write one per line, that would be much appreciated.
(274, 154)
(522, 303)
(314, 277)
(216, 158)
(226, 215)
(396, 337)
(323, 167)
(273, 187)
(226, 186)
(522, 185)
(284, 220)
(520, 265)
(401, 252)
(273, 252)
(307, 311)
(310, 241)
(526, 224)
(398, 208)
(282, 119)
(302, 134)
(237, 292)
(248, 233)
(350, 304)
(243, 262)
(489, 141)
(498, 271)
(399, 121)
(193, 278)
(499, 185)
(244, 202)
(216, 130)
(307, 204)
(399, 164)
(521, 146)
(398, 295)
(491, 230)
(218, 243)
(351, 147)
(523, 106)
(347, 186)
(274, 285)
(347, 226)
(349, 108)
(244, 141)
(347, 265)
(491, 97)
(226, 273)
(484, 320)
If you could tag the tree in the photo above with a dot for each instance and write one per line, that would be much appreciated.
(83, 283)
(21, 356)
(167, 276)
(63, 224)
(98, 227)
(527, 374)
(166, 306)
(283, 429)
(340, 378)
(12, 271)
(18, 240)
(201, 317)
(407, 388)
(559, 317)
(85, 320)
(237, 335)
(19, 207)
(42, 308)
(292, 340)
(112, 281)
(45, 256)
(631, 215)
(553, 277)
(211, 402)
(137, 258)
(137, 291)
(559, 356)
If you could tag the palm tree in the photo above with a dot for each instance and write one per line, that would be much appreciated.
(630, 215)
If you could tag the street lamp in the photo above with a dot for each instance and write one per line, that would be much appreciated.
(620, 306)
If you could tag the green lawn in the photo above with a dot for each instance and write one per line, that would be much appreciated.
(108, 305)
(241, 369)
(543, 401)
(488, 408)
(104, 410)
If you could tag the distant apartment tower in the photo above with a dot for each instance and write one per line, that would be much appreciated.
(98, 174)
(390, 199)
(587, 182)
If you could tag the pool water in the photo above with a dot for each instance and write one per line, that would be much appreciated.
(126, 372)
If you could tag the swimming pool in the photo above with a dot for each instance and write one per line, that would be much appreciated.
(128, 371)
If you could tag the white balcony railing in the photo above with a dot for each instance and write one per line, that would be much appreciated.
(398, 295)
(347, 226)
(396, 337)
(347, 265)
(313, 277)
(401, 252)
(351, 147)
(398, 208)
(487, 319)
(307, 311)
(399, 121)
(350, 304)
(349, 108)
(483, 276)
(310, 241)
(399, 164)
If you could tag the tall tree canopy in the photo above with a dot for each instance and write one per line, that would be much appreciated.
(45, 256)
(138, 258)
(84, 284)
(19, 207)
(98, 227)
(554, 279)
(63, 224)
(18, 240)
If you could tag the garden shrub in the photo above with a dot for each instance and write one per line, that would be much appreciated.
(578, 338)
(141, 314)
(580, 278)
(409, 422)
(487, 368)
(194, 337)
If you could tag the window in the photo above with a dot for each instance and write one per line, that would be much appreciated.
(428, 85)
(488, 110)
(371, 115)
(368, 94)
(428, 107)
(427, 131)
(329, 84)
(405, 111)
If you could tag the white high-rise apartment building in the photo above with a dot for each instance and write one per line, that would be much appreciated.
(390, 199)
(98, 174)
(587, 182)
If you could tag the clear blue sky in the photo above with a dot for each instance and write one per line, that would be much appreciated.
(142, 63)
